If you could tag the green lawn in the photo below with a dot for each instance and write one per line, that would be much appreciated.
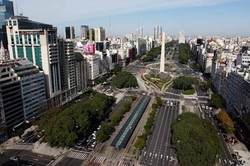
(189, 92)
(158, 81)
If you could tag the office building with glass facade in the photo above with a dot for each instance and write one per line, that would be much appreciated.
(33, 88)
(38, 43)
(11, 103)
(6, 11)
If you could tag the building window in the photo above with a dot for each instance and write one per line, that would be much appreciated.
(17, 39)
(20, 52)
(21, 39)
(38, 57)
(26, 39)
(12, 39)
(14, 23)
(34, 39)
(14, 52)
(29, 53)
(29, 39)
(38, 39)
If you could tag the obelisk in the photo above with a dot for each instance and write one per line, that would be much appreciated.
(162, 63)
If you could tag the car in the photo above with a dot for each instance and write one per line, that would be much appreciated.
(14, 158)
(227, 140)
(234, 156)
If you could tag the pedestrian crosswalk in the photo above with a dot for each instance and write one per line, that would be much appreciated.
(98, 159)
(78, 155)
(126, 163)
(225, 162)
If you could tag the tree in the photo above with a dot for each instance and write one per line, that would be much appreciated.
(104, 133)
(227, 123)
(62, 128)
(154, 52)
(195, 140)
(140, 143)
(158, 101)
(124, 80)
(117, 69)
(184, 83)
(184, 53)
(216, 100)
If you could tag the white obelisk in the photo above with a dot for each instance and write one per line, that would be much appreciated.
(162, 63)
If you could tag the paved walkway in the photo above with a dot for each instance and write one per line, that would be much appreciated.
(243, 152)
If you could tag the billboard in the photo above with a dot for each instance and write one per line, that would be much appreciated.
(89, 48)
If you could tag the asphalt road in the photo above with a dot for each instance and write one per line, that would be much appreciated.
(25, 156)
(225, 159)
(158, 149)
(70, 161)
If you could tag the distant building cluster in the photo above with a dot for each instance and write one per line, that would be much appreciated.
(228, 62)
(39, 70)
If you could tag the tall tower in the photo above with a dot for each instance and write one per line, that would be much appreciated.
(141, 32)
(67, 63)
(157, 32)
(69, 32)
(85, 32)
(99, 34)
(162, 64)
(6, 11)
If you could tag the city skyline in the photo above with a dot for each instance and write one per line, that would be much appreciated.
(195, 17)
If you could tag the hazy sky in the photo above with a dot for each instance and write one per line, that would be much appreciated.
(118, 17)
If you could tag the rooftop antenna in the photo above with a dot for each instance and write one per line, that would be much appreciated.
(110, 26)
(16, 8)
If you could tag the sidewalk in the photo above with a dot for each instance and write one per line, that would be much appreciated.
(243, 152)
(10, 142)
(44, 148)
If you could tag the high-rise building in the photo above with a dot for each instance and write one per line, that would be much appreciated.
(32, 87)
(67, 63)
(6, 11)
(93, 67)
(38, 43)
(99, 34)
(141, 46)
(141, 32)
(81, 71)
(85, 32)
(69, 32)
(157, 32)
(129, 36)
(11, 102)
(91, 34)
